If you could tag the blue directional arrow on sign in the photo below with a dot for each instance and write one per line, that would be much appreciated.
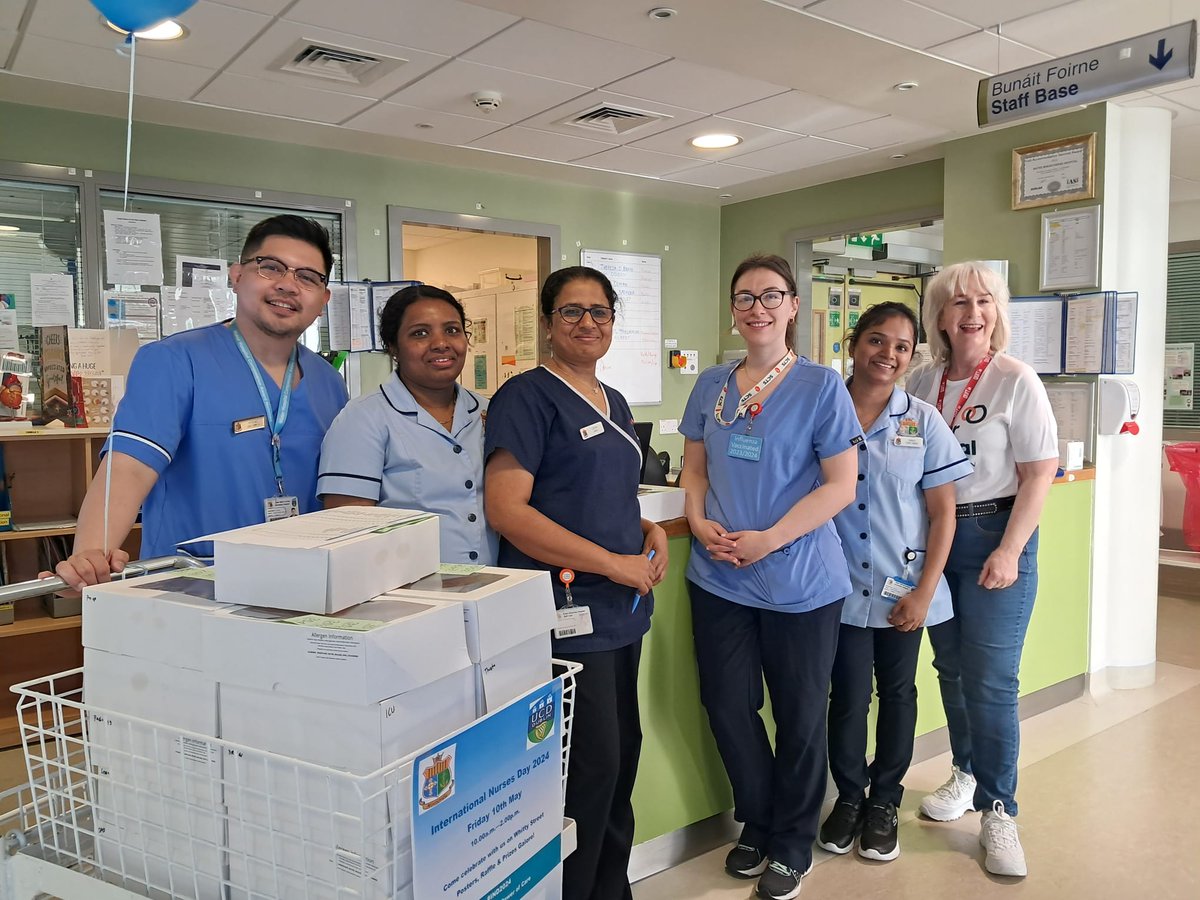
(1081, 78)
(1161, 59)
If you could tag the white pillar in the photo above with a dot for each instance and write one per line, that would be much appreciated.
(1136, 179)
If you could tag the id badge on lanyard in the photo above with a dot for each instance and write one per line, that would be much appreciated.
(280, 505)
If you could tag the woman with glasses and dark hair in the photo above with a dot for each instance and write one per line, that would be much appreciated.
(561, 487)
(896, 537)
(998, 409)
(417, 442)
(770, 458)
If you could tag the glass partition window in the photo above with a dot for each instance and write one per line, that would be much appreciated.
(39, 234)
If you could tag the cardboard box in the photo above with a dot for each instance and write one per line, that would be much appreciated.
(501, 607)
(512, 673)
(7, 613)
(154, 617)
(1070, 455)
(360, 656)
(325, 561)
(660, 504)
(59, 401)
(59, 607)
(157, 864)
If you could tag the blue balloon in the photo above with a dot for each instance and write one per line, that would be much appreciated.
(136, 15)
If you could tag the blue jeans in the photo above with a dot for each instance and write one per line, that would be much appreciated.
(977, 655)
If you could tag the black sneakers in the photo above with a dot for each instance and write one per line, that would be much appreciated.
(745, 861)
(781, 882)
(879, 839)
(842, 827)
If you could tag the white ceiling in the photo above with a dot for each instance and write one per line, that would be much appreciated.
(807, 84)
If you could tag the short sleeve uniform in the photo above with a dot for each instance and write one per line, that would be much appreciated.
(184, 394)
(585, 469)
(387, 448)
(909, 449)
(1006, 420)
(808, 417)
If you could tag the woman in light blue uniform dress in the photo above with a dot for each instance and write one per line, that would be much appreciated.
(896, 538)
(417, 442)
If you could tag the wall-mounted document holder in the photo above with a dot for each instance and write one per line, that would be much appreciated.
(1079, 334)
(353, 313)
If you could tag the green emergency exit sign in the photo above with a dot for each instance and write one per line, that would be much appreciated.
(874, 239)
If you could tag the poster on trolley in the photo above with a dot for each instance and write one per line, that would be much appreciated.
(487, 805)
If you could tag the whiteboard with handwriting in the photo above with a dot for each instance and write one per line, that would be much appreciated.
(633, 364)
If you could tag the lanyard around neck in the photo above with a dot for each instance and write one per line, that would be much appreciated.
(967, 390)
(747, 399)
(276, 418)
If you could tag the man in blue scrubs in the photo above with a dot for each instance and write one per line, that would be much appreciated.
(221, 426)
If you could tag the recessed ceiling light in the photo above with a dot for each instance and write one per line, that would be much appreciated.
(662, 12)
(167, 30)
(724, 196)
(9, 228)
(899, 155)
(715, 141)
(423, 125)
(905, 86)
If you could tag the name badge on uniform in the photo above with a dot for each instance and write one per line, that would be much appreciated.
(276, 508)
(745, 446)
(908, 440)
(254, 423)
(908, 434)
(573, 621)
(896, 588)
(590, 431)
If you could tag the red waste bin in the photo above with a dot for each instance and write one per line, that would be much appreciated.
(1184, 458)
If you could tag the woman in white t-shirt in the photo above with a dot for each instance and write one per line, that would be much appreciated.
(998, 410)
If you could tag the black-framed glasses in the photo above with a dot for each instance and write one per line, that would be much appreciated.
(273, 269)
(744, 300)
(601, 315)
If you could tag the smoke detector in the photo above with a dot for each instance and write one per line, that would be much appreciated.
(486, 100)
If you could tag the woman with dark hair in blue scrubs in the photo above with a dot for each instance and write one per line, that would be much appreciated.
(770, 458)
(561, 487)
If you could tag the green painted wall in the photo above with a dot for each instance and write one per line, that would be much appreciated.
(980, 220)
(594, 218)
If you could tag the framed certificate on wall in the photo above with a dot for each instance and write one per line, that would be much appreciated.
(1055, 172)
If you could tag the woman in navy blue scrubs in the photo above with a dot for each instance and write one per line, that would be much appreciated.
(770, 458)
(561, 485)
(896, 547)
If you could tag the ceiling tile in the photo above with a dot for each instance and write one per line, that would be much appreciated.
(216, 32)
(403, 121)
(896, 20)
(987, 13)
(1084, 24)
(1177, 86)
(10, 15)
(1184, 189)
(797, 154)
(691, 86)
(519, 141)
(270, 7)
(41, 57)
(638, 162)
(884, 132)
(294, 101)
(1185, 154)
(1188, 95)
(984, 50)
(716, 175)
(7, 39)
(283, 37)
(444, 26)
(539, 49)
(800, 112)
(754, 137)
(451, 87)
(671, 117)
(1181, 115)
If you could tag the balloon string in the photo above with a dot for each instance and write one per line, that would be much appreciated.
(129, 115)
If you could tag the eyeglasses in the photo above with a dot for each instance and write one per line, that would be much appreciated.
(601, 315)
(744, 300)
(273, 269)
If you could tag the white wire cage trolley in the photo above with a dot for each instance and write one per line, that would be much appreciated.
(121, 808)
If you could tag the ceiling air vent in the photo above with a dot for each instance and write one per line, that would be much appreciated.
(611, 119)
(340, 64)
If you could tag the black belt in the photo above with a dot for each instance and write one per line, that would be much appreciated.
(983, 507)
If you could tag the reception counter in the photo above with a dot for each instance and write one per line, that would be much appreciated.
(681, 780)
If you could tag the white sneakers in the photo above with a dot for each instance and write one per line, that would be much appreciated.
(998, 835)
(952, 799)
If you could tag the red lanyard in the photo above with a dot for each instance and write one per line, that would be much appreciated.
(968, 388)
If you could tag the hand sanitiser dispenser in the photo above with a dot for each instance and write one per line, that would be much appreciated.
(1120, 401)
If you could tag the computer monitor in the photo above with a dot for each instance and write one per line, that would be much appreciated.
(652, 470)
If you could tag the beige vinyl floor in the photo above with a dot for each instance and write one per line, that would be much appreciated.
(1109, 788)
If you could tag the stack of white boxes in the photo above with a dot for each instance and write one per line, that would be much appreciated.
(158, 810)
(331, 680)
(508, 615)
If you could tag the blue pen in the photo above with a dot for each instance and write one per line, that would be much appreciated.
(637, 598)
